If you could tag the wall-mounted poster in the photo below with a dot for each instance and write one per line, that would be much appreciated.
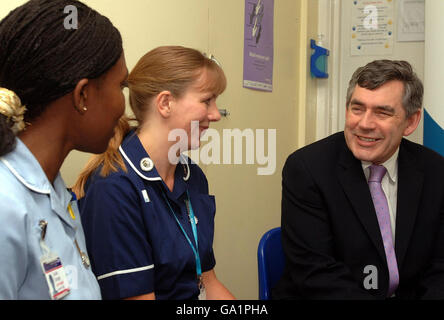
(372, 27)
(258, 45)
(411, 20)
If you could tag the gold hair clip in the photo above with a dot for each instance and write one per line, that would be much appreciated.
(11, 107)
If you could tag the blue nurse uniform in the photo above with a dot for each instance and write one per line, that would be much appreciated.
(136, 245)
(27, 198)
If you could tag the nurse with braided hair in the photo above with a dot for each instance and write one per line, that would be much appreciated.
(60, 90)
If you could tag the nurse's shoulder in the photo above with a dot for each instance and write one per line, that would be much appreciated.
(24, 186)
(16, 198)
(122, 180)
(15, 221)
(12, 191)
(106, 196)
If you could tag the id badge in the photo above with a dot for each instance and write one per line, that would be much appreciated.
(55, 277)
(203, 294)
(203, 291)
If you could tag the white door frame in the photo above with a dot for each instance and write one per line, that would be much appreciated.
(328, 97)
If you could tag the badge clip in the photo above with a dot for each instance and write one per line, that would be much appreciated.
(52, 268)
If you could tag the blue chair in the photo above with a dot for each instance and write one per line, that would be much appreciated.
(271, 261)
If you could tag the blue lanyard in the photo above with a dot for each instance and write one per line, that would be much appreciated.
(193, 227)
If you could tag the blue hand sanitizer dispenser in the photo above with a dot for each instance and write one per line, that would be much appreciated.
(319, 59)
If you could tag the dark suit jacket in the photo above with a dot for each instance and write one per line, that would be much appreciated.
(330, 232)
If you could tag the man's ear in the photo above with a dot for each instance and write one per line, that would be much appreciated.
(80, 96)
(412, 123)
(164, 101)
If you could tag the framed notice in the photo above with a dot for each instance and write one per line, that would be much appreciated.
(372, 27)
(258, 45)
(411, 20)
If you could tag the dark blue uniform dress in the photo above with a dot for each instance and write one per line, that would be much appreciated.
(134, 242)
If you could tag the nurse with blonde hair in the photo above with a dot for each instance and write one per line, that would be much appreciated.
(148, 217)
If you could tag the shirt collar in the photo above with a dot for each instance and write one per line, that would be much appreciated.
(391, 165)
(25, 167)
(140, 162)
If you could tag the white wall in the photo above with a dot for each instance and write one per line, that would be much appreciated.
(8, 5)
(434, 69)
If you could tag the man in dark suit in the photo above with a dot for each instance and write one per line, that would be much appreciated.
(348, 234)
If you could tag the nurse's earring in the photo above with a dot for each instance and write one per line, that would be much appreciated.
(81, 108)
(80, 96)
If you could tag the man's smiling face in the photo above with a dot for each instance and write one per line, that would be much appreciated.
(376, 122)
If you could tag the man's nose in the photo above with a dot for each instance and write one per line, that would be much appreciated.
(367, 121)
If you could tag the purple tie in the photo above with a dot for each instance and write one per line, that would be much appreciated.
(383, 214)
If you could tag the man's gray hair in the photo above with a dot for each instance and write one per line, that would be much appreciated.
(379, 72)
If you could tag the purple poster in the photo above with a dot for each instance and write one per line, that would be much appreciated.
(258, 45)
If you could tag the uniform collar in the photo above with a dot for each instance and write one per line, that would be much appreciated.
(391, 165)
(25, 167)
(140, 162)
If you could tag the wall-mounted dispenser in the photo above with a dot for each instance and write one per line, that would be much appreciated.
(319, 59)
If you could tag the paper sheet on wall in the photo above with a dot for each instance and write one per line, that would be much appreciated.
(258, 45)
(411, 20)
(372, 27)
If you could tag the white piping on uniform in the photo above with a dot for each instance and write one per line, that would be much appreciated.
(188, 167)
(135, 169)
(22, 180)
(145, 196)
(107, 275)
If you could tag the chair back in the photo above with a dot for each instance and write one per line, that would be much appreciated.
(271, 261)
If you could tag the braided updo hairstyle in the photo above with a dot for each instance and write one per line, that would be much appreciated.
(41, 60)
